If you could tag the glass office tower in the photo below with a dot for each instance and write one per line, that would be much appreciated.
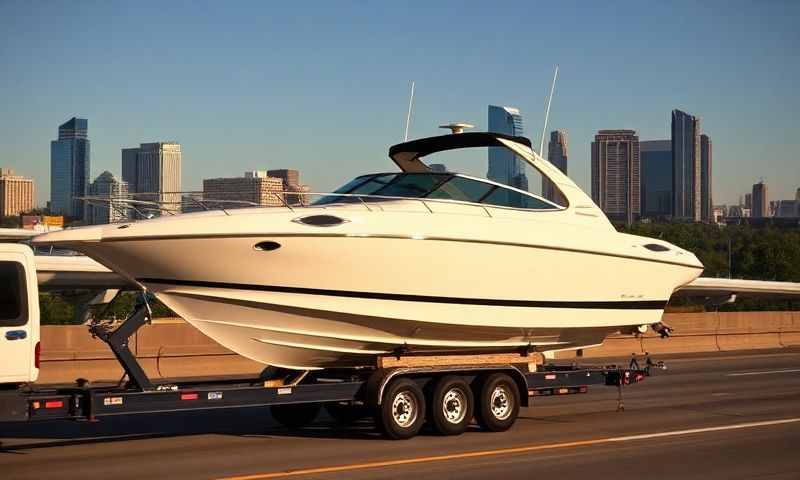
(504, 166)
(69, 168)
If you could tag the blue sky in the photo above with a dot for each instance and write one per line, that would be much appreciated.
(324, 88)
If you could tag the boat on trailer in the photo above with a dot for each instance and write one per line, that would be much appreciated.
(409, 261)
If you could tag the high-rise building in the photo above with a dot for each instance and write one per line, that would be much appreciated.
(784, 208)
(615, 174)
(111, 189)
(656, 175)
(69, 168)
(291, 183)
(248, 190)
(557, 155)
(686, 166)
(748, 200)
(16, 193)
(706, 190)
(504, 166)
(760, 200)
(153, 173)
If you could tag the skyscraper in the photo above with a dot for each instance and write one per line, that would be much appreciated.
(16, 193)
(69, 168)
(153, 172)
(109, 187)
(615, 174)
(504, 166)
(557, 155)
(686, 166)
(291, 183)
(760, 200)
(249, 189)
(656, 156)
(706, 202)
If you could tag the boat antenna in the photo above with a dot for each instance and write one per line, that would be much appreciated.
(547, 112)
(410, 107)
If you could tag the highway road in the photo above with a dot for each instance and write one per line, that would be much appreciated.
(709, 416)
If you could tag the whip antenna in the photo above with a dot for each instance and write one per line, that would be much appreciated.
(408, 115)
(546, 112)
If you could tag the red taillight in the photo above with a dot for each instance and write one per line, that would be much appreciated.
(54, 404)
(189, 396)
(37, 354)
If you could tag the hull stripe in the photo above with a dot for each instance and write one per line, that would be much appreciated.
(608, 305)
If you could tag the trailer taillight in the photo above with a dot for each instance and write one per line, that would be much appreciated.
(37, 354)
(54, 404)
(189, 396)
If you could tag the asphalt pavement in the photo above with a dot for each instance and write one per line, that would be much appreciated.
(708, 416)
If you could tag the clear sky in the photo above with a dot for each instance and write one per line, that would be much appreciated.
(324, 88)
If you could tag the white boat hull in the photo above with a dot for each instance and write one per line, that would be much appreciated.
(335, 298)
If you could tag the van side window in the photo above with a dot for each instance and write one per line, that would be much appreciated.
(13, 305)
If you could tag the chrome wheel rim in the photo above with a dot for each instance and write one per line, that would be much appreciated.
(454, 405)
(501, 402)
(404, 409)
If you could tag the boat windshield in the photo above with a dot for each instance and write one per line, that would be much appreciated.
(439, 186)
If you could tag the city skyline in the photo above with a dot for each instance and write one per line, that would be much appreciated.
(342, 87)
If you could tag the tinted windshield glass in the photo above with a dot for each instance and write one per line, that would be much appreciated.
(364, 185)
(373, 185)
(12, 304)
(352, 184)
(412, 185)
(503, 197)
(463, 189)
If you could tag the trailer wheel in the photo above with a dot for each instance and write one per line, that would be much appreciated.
(497, 402)
(402, 411)
(451, 406)
(295, 415)
(346, 414)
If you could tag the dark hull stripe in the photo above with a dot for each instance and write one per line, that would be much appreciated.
(394, 237)
(612, 305)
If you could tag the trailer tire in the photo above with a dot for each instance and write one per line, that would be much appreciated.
(346, 414)
(401, 414)
(451, 406)
(295, 415)
(497, 399)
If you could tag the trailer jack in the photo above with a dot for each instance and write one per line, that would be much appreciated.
(118, 340)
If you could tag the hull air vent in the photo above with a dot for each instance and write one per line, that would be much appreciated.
(267, 246)
(321, 220)
(656, 247)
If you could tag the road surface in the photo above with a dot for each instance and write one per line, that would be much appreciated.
(709, 416)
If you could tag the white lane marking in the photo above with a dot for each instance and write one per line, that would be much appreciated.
(498, 452)
(736, 426)
(768, 372)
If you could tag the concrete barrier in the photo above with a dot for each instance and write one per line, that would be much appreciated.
(739, 330)
(790, 330)
(173, 348)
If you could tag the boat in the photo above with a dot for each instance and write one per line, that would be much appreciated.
(406, 262)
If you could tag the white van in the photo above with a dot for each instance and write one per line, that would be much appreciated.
(19, 315)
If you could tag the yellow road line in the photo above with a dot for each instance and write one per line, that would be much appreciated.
(505, 451)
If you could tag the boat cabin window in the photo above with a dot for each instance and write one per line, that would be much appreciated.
(12, 295)
(504, 197)
(372, 185)
(413, 185)
(462, 189)
(438, 186)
